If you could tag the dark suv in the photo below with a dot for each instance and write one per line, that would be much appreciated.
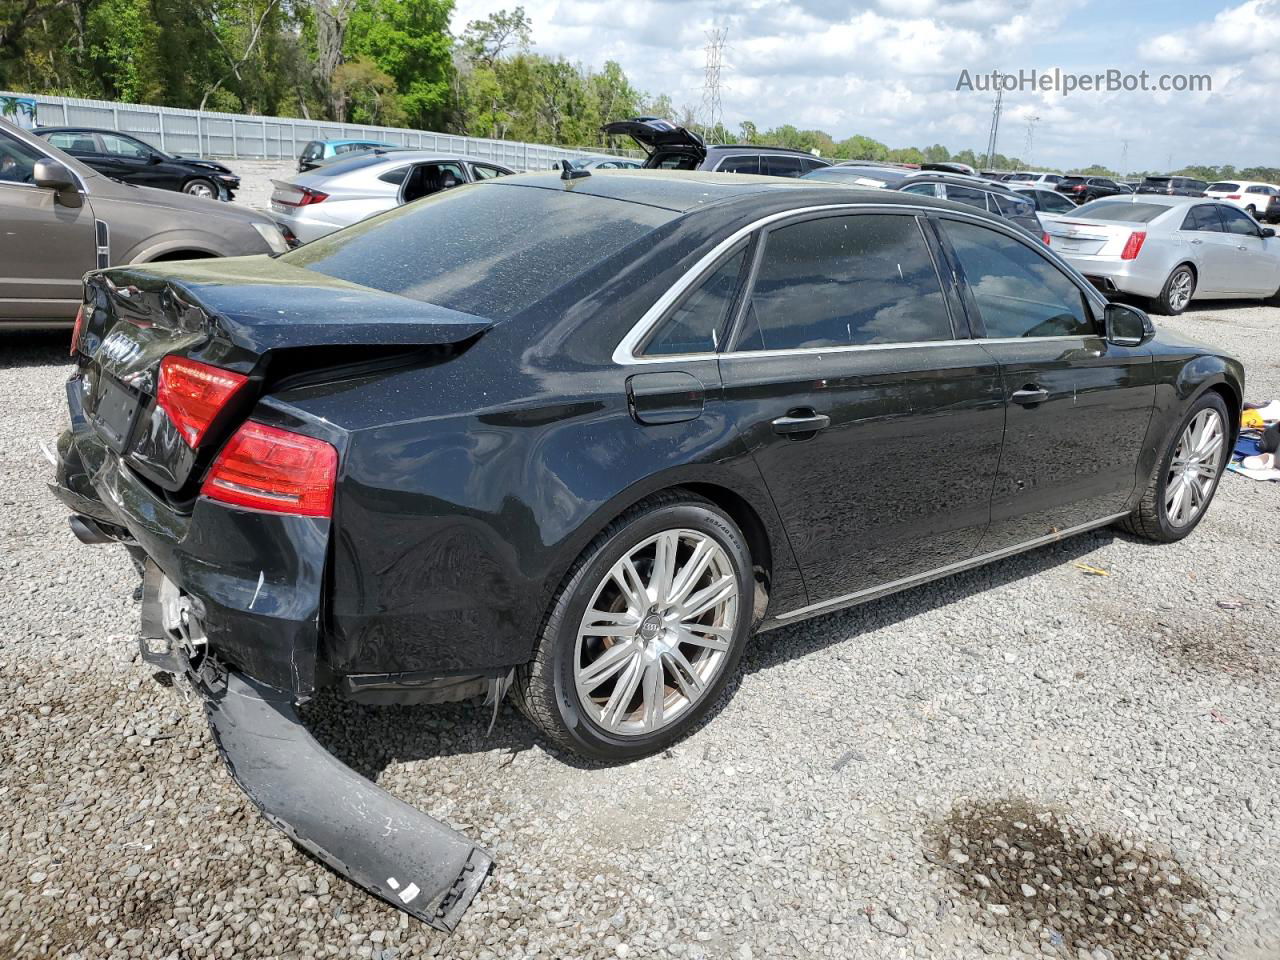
(674, 148)
(1084, 189)
(986, 195)
(1173, 186)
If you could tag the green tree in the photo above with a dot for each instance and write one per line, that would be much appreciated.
(937, 154)
(859, 147)
(409, 41)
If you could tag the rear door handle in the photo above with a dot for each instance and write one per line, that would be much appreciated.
(801, 421)
(1029, 395)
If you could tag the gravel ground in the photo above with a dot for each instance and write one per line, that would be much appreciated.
(1025, 760)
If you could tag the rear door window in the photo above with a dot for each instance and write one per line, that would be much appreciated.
(743, 163)
(697, 324)
(1009, 206)
(775, 166)
(974, 198)
(122, 147)
(1203, 218)
(845, 281)
(1018, 292)
(428, 178)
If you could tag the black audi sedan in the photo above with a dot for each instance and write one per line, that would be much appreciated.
(131, 160)
(581, 438)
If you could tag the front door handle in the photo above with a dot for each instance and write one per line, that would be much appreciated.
(801, 422)
(1197, 242)
(1030, 395)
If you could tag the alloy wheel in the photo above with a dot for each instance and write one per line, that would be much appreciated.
(199, 190)
(657, 632)
(1194, 468)
(1180, 290)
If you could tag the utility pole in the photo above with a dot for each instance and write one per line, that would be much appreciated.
(995, 126)
(1124, 157)
(710, 111)
(1031, 139)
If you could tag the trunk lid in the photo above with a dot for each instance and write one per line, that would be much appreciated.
(655, 134)
(1090, 238)
(255, 316)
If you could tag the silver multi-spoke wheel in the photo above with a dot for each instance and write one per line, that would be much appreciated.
(1194, 468)
(1180, 289)
(199, 188)
(657, 632)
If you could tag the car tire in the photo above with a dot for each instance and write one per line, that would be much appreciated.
(200, 187)
(1154, 518)
(637, 703)
(1178, 291)
(1252, 211)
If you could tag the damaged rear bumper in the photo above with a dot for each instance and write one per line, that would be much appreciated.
(380, 843)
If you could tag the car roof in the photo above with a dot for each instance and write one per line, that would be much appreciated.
(758, 148)
(959, 179)
(1159, 199)
(391, 158)
(122, 133)
(682, 191)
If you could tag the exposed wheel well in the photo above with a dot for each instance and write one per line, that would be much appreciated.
(1234, 404)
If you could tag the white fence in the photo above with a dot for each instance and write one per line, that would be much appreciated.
(234, 135)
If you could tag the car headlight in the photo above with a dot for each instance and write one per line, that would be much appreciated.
(228, 177)
(271, 233)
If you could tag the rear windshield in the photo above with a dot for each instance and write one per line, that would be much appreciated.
(490, 249)
(1161, 181)
(1073, 179)
(1224, 187)
(1121, 210)
(865, 176)
(336, 168)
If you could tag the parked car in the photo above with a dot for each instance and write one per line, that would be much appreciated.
(62, 218)
(607, 163)
(1048, 202)
(986, 195)
(674, 148)
(126, 158)
(1251, 197)
(1084, 189)
(583, 438)
(1038, 178)
(317, 152)
(1171, 250)
(1272, 213)
(337, 194)
(1173, 186)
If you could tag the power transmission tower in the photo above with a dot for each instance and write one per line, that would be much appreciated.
(710, 111)
(1031, 139)
(1124, 157)
(995, 126)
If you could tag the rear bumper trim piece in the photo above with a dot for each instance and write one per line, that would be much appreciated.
(378, 842)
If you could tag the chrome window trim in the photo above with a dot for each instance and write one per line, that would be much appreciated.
(624, 354)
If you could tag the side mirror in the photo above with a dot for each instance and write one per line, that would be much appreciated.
(52, 175)
(1127, 326)
(155, 158)
(1267, 232)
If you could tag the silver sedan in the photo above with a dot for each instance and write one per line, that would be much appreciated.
(1170, 249)
(343, 192)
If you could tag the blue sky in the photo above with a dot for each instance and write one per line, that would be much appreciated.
(888, 69)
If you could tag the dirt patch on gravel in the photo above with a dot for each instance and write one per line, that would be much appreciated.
(1074, 891)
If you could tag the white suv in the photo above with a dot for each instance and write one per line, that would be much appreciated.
(1250, 197)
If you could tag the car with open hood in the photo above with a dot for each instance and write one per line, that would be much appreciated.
(62, 219)
(133, 160)
(671, 147)
(578, 439)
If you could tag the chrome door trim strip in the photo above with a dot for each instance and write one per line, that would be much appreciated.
(872, 592)
(624, 353)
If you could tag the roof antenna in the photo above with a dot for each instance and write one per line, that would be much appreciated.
(567, 171)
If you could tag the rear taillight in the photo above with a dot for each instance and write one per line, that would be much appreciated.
(266, 468)
(1045, 238)
(308, 197)
(192, 394)
(1133, 246)
(77, 330)
(1078, 189)
(1233, 196)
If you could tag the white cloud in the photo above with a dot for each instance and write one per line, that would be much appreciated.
(888, 69)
